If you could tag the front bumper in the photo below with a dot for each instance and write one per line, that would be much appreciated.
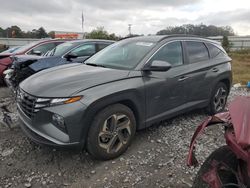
(10, 85)
(41, 129)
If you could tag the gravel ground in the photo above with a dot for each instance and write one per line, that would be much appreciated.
(156, 157)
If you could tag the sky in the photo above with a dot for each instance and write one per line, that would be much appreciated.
(146, 16)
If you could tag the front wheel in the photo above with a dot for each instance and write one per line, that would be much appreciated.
(111, 132)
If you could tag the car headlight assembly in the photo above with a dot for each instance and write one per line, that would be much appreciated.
(45, 102)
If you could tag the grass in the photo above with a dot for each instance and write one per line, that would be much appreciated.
(241, 66)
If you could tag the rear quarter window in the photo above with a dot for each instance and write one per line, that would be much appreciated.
(214, 51)
(197, 51)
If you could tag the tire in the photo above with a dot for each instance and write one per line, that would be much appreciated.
(111, 132)
(218, 99)
(225, 155)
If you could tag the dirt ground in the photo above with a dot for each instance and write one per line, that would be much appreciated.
(156, 157)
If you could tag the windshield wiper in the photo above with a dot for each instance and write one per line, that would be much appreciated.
(95, 65)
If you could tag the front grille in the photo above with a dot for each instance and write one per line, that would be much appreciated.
(29, 104)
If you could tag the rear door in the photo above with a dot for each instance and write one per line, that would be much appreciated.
(199, 74)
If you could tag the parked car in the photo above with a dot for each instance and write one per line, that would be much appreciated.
(10, 50)
(69, 52)
(35, 48)
(227, 166)
(128, 86)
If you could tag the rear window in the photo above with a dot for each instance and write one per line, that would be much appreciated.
(197, 51)
(214, 51)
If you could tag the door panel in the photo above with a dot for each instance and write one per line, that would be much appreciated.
(200, 66)
(165, 91)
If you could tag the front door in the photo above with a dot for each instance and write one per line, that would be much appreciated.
(166, 91)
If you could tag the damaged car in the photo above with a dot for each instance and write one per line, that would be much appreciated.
(228, 166)
(36, 48)
(77, 51)
(128, 86)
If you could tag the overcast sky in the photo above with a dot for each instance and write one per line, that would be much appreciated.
(146, 16)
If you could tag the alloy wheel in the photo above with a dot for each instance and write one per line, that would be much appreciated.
(115, 133)
(220, 99)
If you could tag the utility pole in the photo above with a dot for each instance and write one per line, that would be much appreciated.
(83, 25)
(129, 29)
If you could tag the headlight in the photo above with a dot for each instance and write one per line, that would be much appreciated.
(8, 71)
(44, 102)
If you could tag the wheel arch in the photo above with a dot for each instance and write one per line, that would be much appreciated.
(227, 83)
(128, 99)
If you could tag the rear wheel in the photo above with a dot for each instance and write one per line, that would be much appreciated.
(219, 99)
(111, 132)
(222, 155)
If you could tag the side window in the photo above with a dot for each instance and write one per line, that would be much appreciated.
(101, 46)
(197, 51)
(214, 51)
(84, 50)
(58, 43)
(43, 48)
(171, 53)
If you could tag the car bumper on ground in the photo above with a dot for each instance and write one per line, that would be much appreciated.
(42, 130)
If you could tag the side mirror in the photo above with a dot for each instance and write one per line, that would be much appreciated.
(70, 56)
(36, 52)
(157, 65)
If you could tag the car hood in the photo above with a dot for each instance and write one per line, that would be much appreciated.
(4, 55)
(37, 63)
(65, 80)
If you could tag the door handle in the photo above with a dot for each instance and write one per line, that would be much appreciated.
(182, 78)
(215, 69)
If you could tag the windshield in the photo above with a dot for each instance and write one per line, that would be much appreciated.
(61, 49)
(125, 54)
(26, 47)
(11, 50)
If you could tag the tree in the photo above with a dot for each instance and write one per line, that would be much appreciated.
(226, 44)
(1, 32)
(15, 32)
(101, 33)
(51, 34)
(41, 33)
(98, 33)
(201, 30)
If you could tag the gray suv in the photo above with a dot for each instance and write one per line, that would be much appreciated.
(126, 87)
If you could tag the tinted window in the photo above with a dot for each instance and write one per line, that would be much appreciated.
(43, 48)
(101, 46)
(197, 51)
(61, 49)
(214, 51)
(84, 50)
(171, 53)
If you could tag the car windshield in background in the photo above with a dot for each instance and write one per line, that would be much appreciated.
(26, 47)
(122, 55)
(61, 49)
(11, 50)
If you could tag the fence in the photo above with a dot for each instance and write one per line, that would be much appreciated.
(12, 42)
(237, 42)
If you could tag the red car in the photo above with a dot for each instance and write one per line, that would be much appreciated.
(229, 165)
(35, 48)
